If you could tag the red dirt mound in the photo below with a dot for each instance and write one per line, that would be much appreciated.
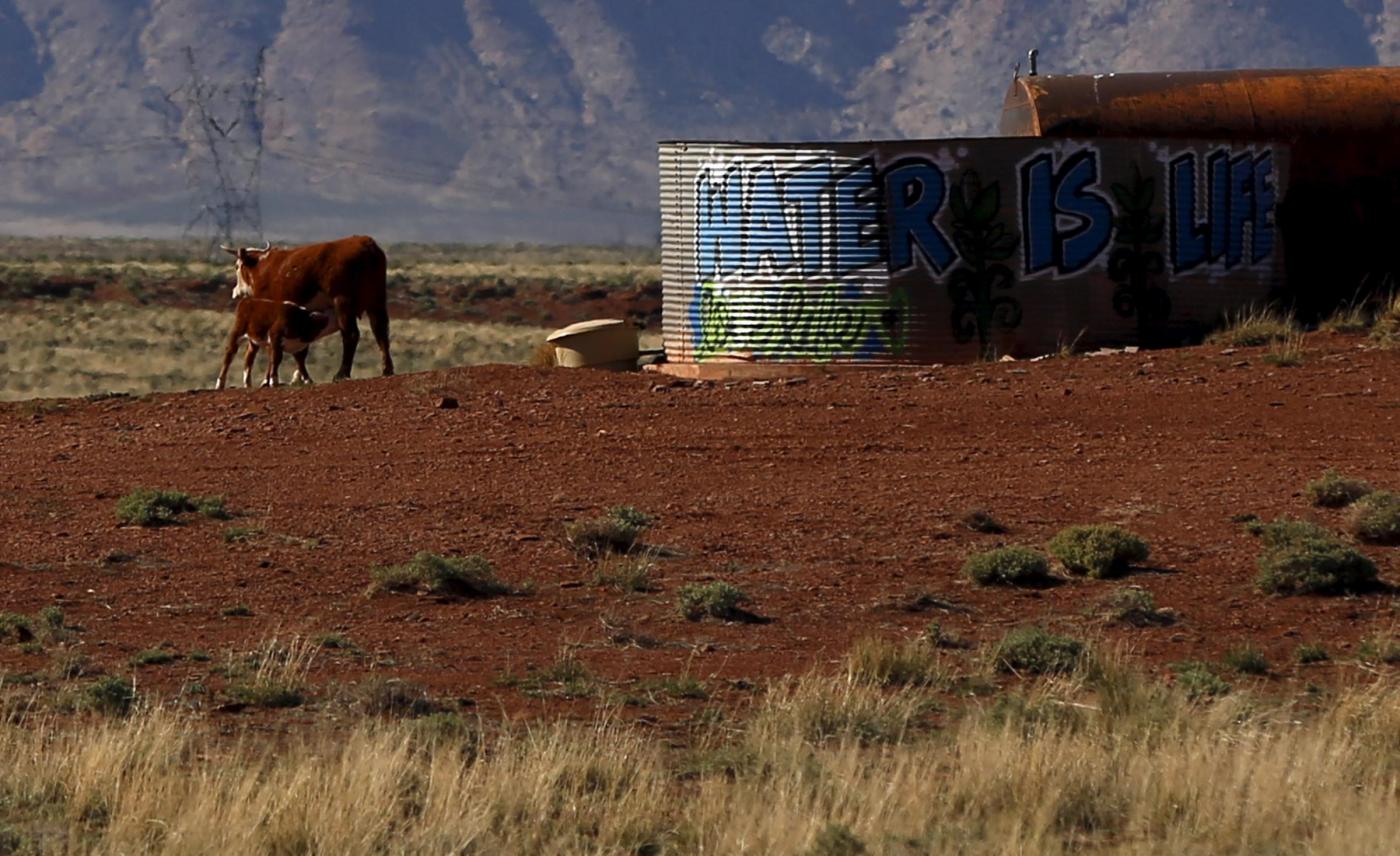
(833, 502)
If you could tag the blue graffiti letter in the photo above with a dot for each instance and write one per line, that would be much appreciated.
(767, 228)
(1189, 240)
(1263, 244)
(719, 216)
(857, 213)
(1038, 214)
(1241, 207)
(1049, 194)
(806, 190)
(914, 194)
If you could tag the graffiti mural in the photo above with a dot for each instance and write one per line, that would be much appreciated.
(1135, 265)
(985, 244)
(961, 249)
(809, 324)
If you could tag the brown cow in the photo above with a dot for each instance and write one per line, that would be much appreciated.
(279, 325)
(346, 275)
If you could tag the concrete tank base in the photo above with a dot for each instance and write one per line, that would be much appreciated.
(738, 370)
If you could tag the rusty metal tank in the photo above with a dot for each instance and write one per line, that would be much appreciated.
(1342, 209)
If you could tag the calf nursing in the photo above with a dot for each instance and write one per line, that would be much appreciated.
(344, 276)
(279, 325)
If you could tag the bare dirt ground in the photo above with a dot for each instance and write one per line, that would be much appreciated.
(834, 502)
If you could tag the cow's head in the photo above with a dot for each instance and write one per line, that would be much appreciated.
(245, 260)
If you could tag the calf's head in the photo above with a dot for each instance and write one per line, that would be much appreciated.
(245, 261)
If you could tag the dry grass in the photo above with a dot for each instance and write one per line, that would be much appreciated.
(1387, 326)
(1110, 763)
(1286, 352)
(1252, 327)
(70, 348)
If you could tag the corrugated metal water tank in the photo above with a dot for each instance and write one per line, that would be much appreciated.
(914, 252)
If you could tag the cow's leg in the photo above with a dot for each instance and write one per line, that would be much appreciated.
(229, 350)
(248, 363)
(274, 362)
(379, 326)
(349, 336)
(302, 375)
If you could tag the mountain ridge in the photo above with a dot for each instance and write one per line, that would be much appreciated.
(505, 120)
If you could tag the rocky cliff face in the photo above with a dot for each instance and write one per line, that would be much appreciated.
(537, 119)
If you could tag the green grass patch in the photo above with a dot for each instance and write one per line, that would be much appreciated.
(1036, 651)
(153, 657)
(1247, 660)
(470, 576)
(716, 599)
(1375, 518)
(1100, 551)
(566, 677)
(1311, 652)
(1334, 490)
(1379, 649)
(1199, 680)
(1013, 566)
(269, 694)
(16, 628)
(1304, 558)
(148, 507)
(110, 695)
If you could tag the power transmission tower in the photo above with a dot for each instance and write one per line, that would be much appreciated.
(221, 128)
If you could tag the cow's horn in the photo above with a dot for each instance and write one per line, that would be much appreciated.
(267, 245)
(230, 250)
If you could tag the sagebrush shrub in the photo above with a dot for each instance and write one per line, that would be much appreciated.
(112, 695)
(1376, 518)
(1247, 660)
(1334, 490)
(147, 507)
(716, 599)
(1008, 566)
(616, 532)
(1304, 558)
(1036, 651)
(1311, 652)
(1199, 680)
(1099, 550)
(470, 576)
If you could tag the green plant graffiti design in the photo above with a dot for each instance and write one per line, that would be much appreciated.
(800, 322)
(984, 244)
(1133, 263)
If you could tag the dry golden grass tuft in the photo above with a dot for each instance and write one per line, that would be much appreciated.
(1105, 759)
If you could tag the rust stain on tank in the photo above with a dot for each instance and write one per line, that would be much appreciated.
(1245, 104)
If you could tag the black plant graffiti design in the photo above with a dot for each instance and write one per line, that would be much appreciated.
(983, 243)
(1133, 263)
